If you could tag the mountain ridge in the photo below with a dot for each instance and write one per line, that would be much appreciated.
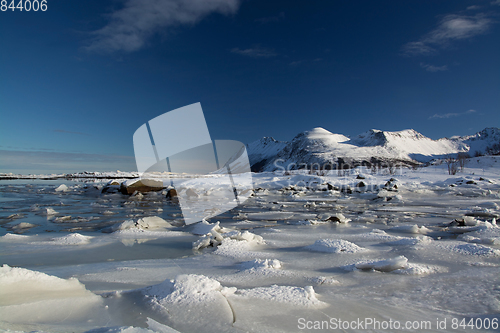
(319, 148)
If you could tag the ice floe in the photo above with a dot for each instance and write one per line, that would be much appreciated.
(335, 246)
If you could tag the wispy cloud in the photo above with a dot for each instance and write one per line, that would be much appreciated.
(69, 132)
(255, 52)
(271, 19)
(450, 115)
(131, 27)
(473, 7)
(432, 68)
(451, 28)
(496, 2)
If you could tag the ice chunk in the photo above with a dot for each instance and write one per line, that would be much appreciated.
(66, 218)
(297, 296)
(14, 238)
(412, 229)
(22, 226)
(335, 246)
(323, 280)
(72, 239)
(49, 212)
(154, 223)
(384, 265)
(420, 269)
(411, 241)
(192, 301)
(20, 285)
(262, 264)
(239, 248)
(62, 188)
(204, 227)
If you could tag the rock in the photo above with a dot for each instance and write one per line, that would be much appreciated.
(338, 218)
(110, 189)
(141, 185)
(346, 190)
(360, 184)
(360, 177)
(390, 186)
(172, 193)
(470, 182)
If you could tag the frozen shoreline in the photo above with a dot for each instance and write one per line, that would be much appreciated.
(423, 249)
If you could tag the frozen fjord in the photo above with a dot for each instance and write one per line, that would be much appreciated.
(423, 249)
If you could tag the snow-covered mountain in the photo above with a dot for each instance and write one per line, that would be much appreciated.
(486, 142)
(321, 149)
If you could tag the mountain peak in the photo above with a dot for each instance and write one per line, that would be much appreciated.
(321, 134)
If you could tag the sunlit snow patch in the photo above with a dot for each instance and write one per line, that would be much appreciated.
(335, 246)
(297, 296)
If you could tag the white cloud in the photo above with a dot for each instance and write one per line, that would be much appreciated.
(130, 27)
(255, 52)
(449, 115)
(418, 48)
(451, 28)
(432, 68)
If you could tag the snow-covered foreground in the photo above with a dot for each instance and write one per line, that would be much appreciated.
(306, 252)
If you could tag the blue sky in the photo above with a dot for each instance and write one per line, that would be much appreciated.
(78, 79)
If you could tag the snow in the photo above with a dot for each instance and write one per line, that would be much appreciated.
(297, 296)
(476, 250)
(72, 239)
(259, 264)
(334, 246)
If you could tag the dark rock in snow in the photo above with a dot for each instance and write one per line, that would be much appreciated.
(172, 193)
(141, 185)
